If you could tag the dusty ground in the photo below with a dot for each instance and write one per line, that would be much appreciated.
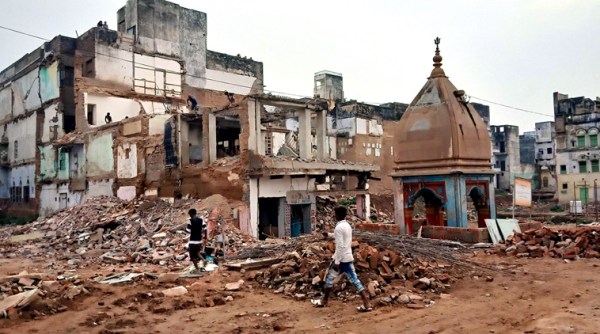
(531, 296)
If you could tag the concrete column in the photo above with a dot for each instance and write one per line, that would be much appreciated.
(360, 206)
(492, 198)
(368, 207)
(253, 185)
(253, 105)
(399, 205)
(260, 139)
(304, 134)
(456, 206)
(212, 137)
(321, 127)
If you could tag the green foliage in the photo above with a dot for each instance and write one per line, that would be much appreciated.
(11, 220)
(347, 201)
(560, 219)
(556, 208)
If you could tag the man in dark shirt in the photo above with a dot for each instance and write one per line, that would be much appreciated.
(192, 103)
(197, 237)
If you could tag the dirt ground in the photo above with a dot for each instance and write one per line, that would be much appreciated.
(541, 295)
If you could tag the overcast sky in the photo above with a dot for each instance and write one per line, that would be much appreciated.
(515, 53)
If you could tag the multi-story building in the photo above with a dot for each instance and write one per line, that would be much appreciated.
(506, 149)
(577, 122)
(545, 162)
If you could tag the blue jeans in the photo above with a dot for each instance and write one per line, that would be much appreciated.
(345, 268)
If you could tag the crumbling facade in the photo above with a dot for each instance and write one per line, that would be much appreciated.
(545, 161)
(87, 116)
(506, 147)
(577, 153)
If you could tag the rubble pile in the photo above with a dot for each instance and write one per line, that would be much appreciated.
(113, 231)
(40, 294)
(565, 243)
(326, 205)
(389, 276)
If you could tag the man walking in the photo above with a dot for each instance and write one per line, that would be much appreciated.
(197, 237)
(343, 262)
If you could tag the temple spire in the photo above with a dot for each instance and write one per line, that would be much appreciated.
(437, 61)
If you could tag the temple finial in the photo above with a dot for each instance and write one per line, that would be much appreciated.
(437, 61)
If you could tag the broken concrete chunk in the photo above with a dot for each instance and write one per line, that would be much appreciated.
(404, 299)
(18, 301)
(159, 235)
(168, 277)
(176, 291)
(142, 245)
(26, 281)
(234, 286)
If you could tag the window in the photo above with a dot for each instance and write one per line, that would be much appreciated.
(88, 68)
(563, 169)
(593, 140)
(580, 141)
(16, 149)
(62, 161)
(91, 114)
(502, 148)
(549, 150)
(565, 185)
(503, 165)
(545, 181)
(595, 166)
(582, 166)
(66, 76)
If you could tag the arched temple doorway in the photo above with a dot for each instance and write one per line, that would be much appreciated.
(434, 206)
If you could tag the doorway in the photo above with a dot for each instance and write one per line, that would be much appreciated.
(268, 218)
(300, 219)
(583, 195)
(62, 201)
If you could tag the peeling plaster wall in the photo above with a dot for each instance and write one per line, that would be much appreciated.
(343, 126)
(29, 93)
(166, 28)
(114, 65)
(100, 160)
(231, 82)
(279, 187)
(47, 162)
(19, 176)
(4, 181)
(50, 198)
(100, 188)
(50, 113)
(24, 132)
(127, 161)
(127, 193)
(157, 124)
(118, 107)
(77, 161)
(278, 141)
(5, 104)
(157, 76)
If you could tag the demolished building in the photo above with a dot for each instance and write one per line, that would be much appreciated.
(141, 111)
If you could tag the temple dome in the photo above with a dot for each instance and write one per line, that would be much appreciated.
(440, 132)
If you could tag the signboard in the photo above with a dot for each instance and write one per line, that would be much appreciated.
(522, 192)
(299, 197)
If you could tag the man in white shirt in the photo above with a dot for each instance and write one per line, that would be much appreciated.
(343, 261)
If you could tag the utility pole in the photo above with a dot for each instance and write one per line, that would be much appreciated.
(595, 201)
